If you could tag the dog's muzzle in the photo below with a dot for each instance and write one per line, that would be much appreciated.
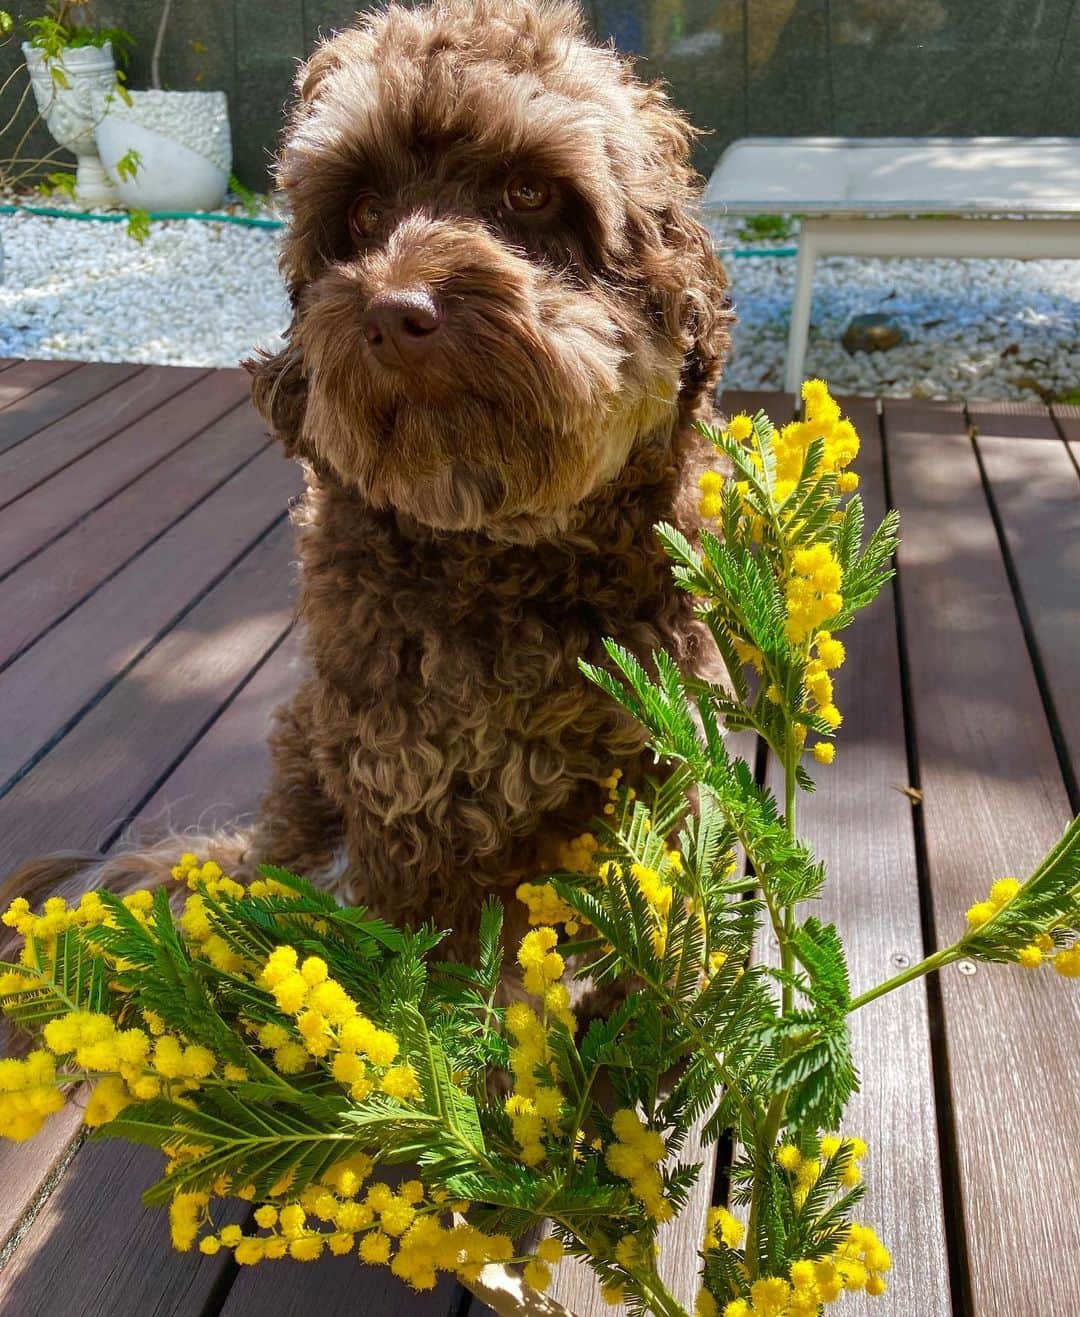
(401, 326)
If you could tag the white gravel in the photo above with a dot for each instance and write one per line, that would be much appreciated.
(192, 294)
(977, 329)
(197, 293)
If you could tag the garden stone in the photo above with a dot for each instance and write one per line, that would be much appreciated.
(875, 332)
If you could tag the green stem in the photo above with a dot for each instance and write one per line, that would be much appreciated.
(787, 955)
(785, 931)
(661, 1301)
(927, 966)
(766, 1141)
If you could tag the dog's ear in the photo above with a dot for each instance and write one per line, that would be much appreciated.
(310, 76)
(687, 283)
(279, 392)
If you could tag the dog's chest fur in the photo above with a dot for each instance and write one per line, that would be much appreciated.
(446, 700)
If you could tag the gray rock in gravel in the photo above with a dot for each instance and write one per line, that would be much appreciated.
(875, 332)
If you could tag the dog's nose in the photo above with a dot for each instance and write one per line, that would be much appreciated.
(400, 326)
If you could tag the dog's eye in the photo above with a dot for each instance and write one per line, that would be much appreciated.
(365, 216)
(527, 193)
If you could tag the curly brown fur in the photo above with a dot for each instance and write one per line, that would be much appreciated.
(476, 525)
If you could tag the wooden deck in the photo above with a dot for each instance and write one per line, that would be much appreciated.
(145, 633)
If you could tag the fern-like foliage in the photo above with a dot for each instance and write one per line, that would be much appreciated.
(284, 1050)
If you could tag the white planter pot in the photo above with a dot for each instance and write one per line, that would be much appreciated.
(182, 138)
(72, 112)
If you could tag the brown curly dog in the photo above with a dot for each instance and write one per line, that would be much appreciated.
(506, 320)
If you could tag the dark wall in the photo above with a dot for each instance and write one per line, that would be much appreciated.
(850, 67)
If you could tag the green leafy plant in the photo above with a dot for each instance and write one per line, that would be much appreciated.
(58, 183)
(138, 224)
(16, 168)
(66, 24)
(251, 201)
(128, 164)
(284, 1051)
(766, 228)
(69, 25)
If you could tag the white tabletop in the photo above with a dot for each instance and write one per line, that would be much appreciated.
(898, 175)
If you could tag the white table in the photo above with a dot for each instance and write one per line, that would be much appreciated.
(865, 197)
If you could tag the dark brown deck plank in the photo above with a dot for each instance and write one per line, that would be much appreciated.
(1012, 420)
(779, 407)
(1067, 418)
(993, 804)
(335, 1287)
(158, 409)
(860, 826)
(94, 1220)
(93, 1224)
(60, 397)
(44, 588)
(26, 1168)
(111, 759)
(220, 781)
(55, 678)
(1036, 492)
(26, 376)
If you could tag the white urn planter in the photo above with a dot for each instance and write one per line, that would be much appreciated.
(72, 112)
(183, 143)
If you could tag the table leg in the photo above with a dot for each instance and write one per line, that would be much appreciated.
(800, 311)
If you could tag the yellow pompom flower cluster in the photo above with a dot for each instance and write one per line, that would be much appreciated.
(40, 932)
(536, 1104)
(822, 420)
(206, 880)
(811, 574)
(330, 1027)
(206, 876)
(826, 654)
(1041, 949)
(722, 1228)
(146, 1064)
(330, 1216)
(658, 893)
(1001, 893)
(612, 783)
(634, 1155)
(187, 1212)
(711, 484)
(124, 1063)
(858, 1264)
(546, 906)
(805, 1171)
(578, 855)
(28, 1095)
(203, 940)
(542, 964)
(534, 1118)
(812, 591)
(1067, 962)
